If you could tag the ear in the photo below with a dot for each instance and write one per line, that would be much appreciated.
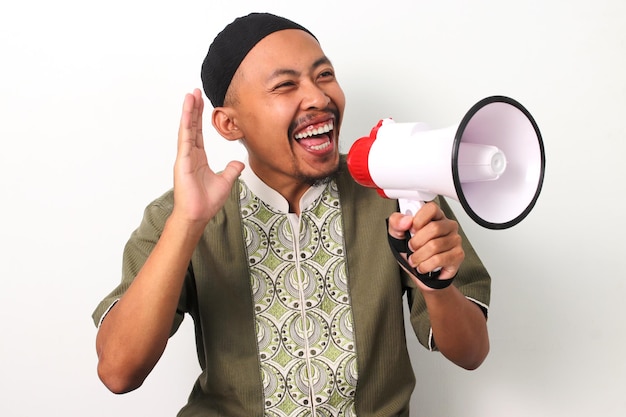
(224, 122)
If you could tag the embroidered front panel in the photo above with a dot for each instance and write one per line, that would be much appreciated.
(303, 315)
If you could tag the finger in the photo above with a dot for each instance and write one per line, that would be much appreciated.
(429, 212)
(185, 135)
(434, 233)
(445, 251)
(449, 262)
(199, 110)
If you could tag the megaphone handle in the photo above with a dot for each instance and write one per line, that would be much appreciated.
(401, 246)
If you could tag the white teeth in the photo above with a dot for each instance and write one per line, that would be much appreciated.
(312, 132)
(320, 147)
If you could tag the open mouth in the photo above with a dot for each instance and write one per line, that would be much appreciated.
(315, 137)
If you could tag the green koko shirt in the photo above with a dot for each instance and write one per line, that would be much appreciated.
(220, 294)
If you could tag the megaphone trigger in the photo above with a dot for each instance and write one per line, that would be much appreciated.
(409, 207)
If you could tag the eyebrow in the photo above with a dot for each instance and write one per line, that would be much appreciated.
(288, 71)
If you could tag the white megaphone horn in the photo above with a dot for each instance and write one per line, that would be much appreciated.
(492, 163)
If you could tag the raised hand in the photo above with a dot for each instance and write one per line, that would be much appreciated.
(134, 334)
(199, 192)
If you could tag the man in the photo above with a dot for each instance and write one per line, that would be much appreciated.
(285, 266)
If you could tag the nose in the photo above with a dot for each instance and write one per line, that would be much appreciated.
(314, 97)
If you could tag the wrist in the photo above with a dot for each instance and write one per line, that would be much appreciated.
(185, 228)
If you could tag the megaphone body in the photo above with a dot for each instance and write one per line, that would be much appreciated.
(492, 162)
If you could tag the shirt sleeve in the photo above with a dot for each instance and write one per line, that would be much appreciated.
(472, 280)
(136, 251)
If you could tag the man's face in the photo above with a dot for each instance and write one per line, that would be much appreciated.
(288, 106)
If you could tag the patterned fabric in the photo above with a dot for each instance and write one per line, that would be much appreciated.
(303, 316)
(217, 295)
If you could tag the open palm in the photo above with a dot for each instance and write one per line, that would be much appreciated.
(199, 192)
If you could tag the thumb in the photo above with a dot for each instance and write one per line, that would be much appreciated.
(399, 224)
(232, 171)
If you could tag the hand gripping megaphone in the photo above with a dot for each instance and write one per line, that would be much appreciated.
(492, 163)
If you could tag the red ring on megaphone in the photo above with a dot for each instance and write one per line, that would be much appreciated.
(358, 158)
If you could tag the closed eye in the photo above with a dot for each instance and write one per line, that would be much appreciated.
(285, 84)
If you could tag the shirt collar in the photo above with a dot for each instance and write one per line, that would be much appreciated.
(273, 197)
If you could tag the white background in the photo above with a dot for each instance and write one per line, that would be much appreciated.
(90, 97)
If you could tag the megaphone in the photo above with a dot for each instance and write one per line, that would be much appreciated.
(492, 162)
